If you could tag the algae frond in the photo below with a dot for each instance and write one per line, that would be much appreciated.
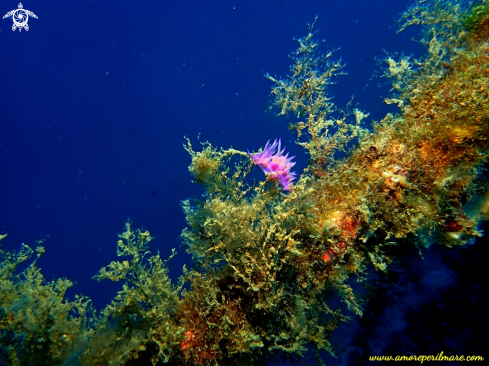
(267, 264)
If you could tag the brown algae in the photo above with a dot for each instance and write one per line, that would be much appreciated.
(267, 262)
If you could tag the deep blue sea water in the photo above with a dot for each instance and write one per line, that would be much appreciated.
(97, 97)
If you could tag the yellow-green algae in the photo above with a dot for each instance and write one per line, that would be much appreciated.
(267, 262)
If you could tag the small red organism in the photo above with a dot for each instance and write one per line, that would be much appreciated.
(348, 227)
(334, 250)
(456, 221)
(327, 257)
(194, 348)
(452, 226)
(187, 342)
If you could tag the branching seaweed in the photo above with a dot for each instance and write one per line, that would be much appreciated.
(266, 263)
(304, 94)
(38, 326)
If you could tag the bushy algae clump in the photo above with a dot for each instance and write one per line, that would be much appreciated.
(38, 326)
(268, 264)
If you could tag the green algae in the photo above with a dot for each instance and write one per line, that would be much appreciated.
(477, 20)
(38, 326)
(270, 266)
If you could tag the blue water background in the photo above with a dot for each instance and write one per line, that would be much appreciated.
(97, 97)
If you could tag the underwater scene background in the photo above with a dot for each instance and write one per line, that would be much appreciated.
(97, 99)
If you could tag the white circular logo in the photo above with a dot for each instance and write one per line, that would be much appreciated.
(20, 17)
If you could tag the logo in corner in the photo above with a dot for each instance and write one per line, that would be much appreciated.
(20, 17)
